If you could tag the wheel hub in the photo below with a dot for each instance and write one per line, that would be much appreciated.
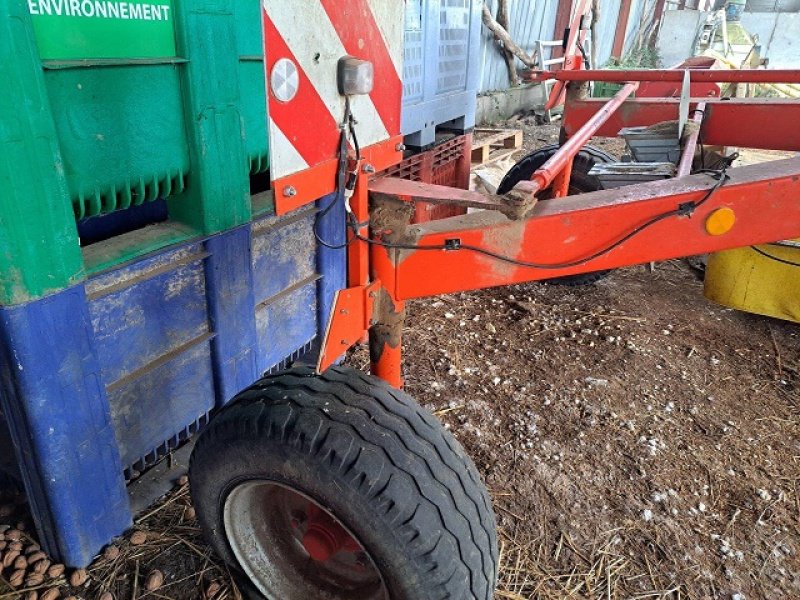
(291, 547)
(324, 537)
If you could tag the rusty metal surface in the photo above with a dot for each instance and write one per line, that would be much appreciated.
(690, 145)
(415, 191)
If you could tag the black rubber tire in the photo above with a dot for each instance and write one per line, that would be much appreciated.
(581, 182)
(587, 158)
(384, 466)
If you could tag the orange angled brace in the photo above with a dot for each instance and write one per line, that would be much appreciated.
(350, 318)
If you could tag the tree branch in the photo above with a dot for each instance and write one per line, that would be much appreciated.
(502, 21)
(501, 35)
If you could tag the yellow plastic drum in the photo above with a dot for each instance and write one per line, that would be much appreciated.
(746, 280)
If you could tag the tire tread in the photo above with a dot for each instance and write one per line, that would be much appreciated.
(326, 417)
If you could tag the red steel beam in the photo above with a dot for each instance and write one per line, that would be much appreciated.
(417, 191)
(622, 28)
(659, 12)
(742, 122)
(763, 199)
(697, 75)
(576, 34)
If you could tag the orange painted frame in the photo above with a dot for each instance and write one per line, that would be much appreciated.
(763, 198)
(590, 232)
(305, 187)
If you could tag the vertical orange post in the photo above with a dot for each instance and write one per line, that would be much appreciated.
(358, 251)
(386, 339)
(388, 318)
(388, 363)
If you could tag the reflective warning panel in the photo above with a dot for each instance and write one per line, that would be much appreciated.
(304, 42)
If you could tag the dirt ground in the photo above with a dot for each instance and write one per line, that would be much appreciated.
(638, 441)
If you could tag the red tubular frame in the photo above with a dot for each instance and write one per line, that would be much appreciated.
(561, 162)
(689, 148)
(568, 236)
(675, 75)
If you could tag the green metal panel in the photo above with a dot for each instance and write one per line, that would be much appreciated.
(250, 44)
(134, 130)
(39, 250)
(121, 130)
(218, 194)
(99, 123)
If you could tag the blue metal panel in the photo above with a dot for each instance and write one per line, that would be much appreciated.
(442, 77)
(283, 252)
(54, 402)
(112, 375)
(153, 409)
(229, 277)
(148, 310)
(152, 334)
(285, 282)
(286, 323)
(331, 262)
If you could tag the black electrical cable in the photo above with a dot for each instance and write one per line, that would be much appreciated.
(586, 60)
(775, 258)
(348, 124)
(686, 209)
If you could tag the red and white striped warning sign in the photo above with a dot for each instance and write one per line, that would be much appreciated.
(304, 41)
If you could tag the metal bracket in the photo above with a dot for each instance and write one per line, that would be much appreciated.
(349, 320)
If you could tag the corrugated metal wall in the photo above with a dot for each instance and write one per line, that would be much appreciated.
(532, 20)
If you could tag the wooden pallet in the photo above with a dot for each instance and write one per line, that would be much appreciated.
(491, 145)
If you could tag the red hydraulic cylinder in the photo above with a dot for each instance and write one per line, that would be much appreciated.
(562, 159)
(689, 148)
